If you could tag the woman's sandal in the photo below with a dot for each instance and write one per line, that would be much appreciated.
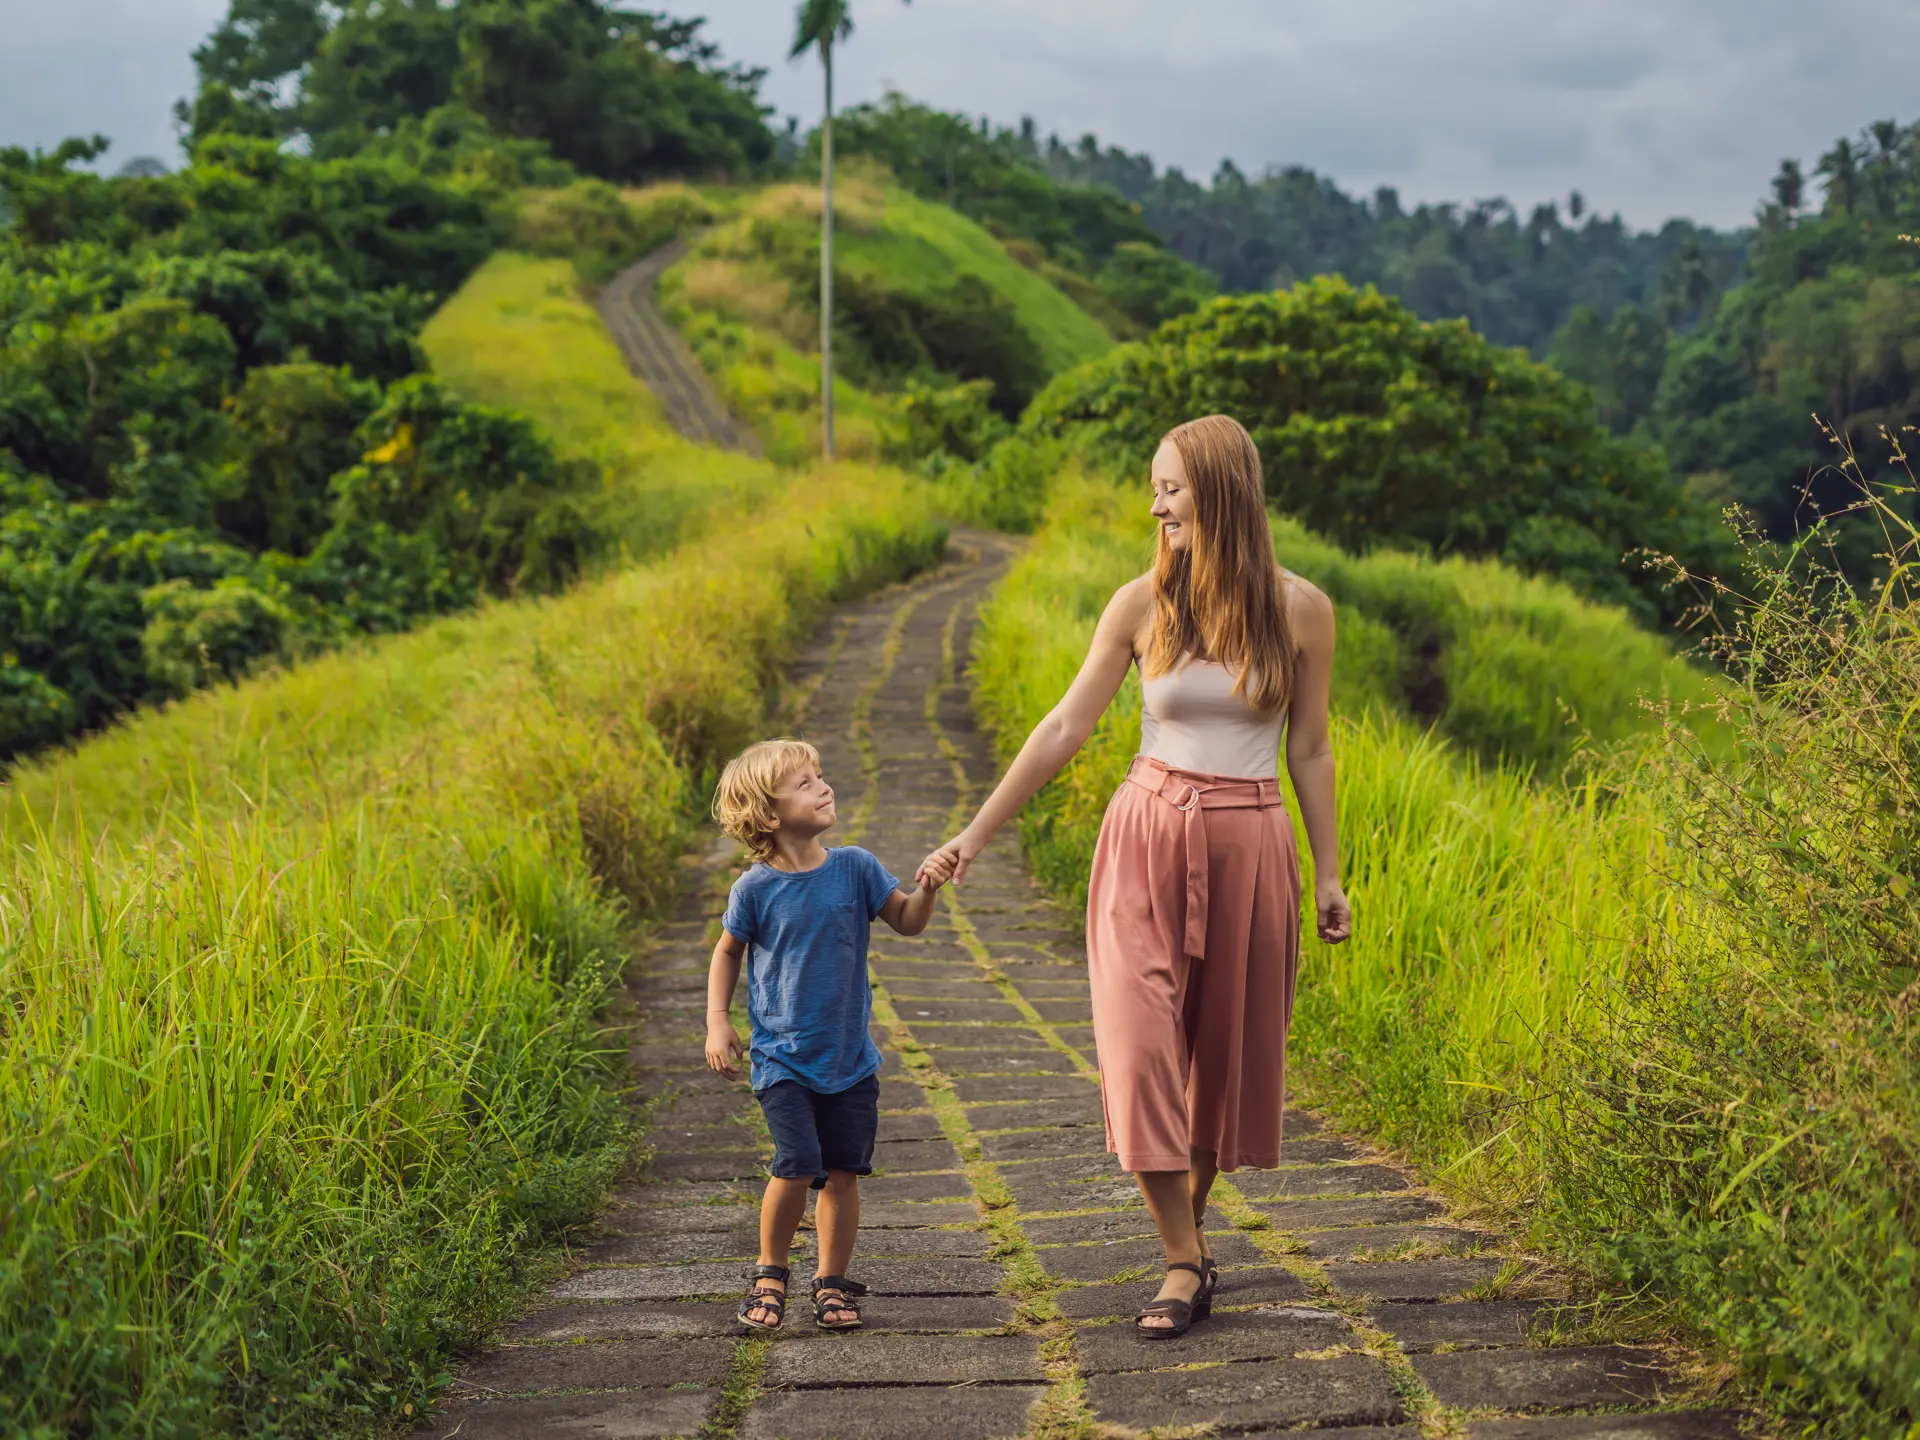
(1181, 1312)
(846, 1304)
(758, 1299)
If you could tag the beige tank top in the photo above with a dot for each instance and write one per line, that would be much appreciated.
(1191, 719)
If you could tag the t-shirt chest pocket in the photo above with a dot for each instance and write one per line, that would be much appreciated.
(843, 923)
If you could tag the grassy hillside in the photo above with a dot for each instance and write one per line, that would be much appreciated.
(301, 972)
(923, 296)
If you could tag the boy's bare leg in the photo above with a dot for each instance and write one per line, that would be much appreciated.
(1203, 1171)
(837, 1219)
(1170, 1201)
(780, 1211)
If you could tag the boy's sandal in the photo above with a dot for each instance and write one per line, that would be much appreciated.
(846, 1304)
(1181, 1312)
(758, 1299)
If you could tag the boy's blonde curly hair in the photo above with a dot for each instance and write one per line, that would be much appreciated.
(743, 803)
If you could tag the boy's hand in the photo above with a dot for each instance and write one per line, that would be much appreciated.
(723, 1046)
(930, 880)
(937, 869)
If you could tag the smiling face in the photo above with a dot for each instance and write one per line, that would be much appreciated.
(1172, 497)
(803, 803)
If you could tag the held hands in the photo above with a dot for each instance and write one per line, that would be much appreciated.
(950, 861)
(723, 1046)
(1334, 914)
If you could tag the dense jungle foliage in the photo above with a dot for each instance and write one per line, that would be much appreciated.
(215, 442)
(1376, 428)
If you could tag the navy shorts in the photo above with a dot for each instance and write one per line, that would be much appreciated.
(815, 1133)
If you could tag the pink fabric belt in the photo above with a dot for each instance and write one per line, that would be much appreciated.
(1193, 793)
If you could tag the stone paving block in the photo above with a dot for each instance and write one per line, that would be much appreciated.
(1078, 1036)
(888, 1276)
(1371, 1432)
(1298, 1122)
(1468, 1322)
(901, 1157)
(1064, 1010)
(1411, 1279)
(905, 1314)
(614, 1365)
(922, 1126)
(742, 1243)
(659, 1320)
(637, 1212)
(1074, 1229)
(915, 1187)
(1377, 1239)
(968, 1244)
(1574, 1378)
(901, 1094)
(1071, 1140)
(1317, 1180)
(1318, 1150)
(918, 1013)
(655, 1282)
(1035, 1193)
(904, 1360)
(1667, 1425)
(889, 1215)
(888, 1412)
(1118, 1257)
(1098, 1166)
(1275, 1333)
(1327, 1214)
(681, 1138)
(1004, 1062)
(914, 987)
(703, 1166)
(706, 1109)
(977, 1089)
(1081, 1110)
(708, 1192)
(1346, 1390)
(632, 1415)
(1266, 1285)
(940, 1038)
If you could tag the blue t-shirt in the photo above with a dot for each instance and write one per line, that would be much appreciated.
(807, 990)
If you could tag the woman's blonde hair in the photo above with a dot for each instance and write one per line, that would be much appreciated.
(1223, 598)
(743, 801)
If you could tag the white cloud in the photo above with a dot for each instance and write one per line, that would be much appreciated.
(1650, 107)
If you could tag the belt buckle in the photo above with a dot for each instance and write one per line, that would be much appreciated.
(1193, 797)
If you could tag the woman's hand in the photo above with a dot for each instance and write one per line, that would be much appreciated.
(950, 861)
(1334, 914)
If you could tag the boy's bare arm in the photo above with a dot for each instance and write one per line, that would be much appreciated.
(909, 911)
(723, 1041)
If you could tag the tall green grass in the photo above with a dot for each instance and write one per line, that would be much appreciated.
(299, 1052)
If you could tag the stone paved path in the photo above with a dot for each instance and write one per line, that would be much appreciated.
(1004, 1250)
(656, 354)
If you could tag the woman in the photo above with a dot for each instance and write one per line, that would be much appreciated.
(1193, 913)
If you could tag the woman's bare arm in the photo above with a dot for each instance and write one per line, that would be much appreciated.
(1310, 753)
(1056, 738)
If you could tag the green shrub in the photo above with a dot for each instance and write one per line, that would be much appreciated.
(197, 637)
(1378, 429)
(601, 229)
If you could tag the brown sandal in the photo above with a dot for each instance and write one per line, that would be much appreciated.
(1181, 1312)
(758, 1299)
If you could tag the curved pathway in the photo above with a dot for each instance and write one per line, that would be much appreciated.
(1004, 1250)
(660, 358)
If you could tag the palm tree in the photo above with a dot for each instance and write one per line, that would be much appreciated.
(823, 23)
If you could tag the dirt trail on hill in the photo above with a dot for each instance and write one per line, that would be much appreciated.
(660, 358)
(1005, 1252)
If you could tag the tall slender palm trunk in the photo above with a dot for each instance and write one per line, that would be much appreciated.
(826, 260)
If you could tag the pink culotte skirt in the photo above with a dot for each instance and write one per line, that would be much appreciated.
(1193, 942)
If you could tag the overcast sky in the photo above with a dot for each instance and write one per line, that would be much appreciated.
(1650, 107)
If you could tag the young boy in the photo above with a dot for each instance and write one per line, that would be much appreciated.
(800, 918)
